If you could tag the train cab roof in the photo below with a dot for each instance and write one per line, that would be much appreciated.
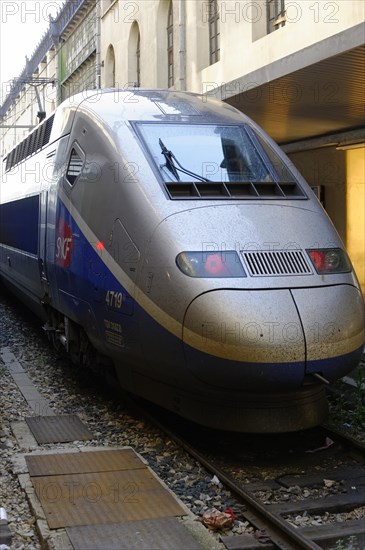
(114, 106)
(153, 105)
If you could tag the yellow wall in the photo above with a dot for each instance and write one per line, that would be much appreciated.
(327, 167)
(341, 172)
(355, 171)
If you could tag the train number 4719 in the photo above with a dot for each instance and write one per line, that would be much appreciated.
(114, 299)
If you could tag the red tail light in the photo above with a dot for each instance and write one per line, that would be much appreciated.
(329, 260)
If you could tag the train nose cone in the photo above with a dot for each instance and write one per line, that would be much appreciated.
(333, 322)
(251, 340)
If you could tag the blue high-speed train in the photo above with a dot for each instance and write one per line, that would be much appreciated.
(166, 237)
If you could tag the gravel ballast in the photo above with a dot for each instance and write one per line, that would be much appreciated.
(72, 391)
(68, 390)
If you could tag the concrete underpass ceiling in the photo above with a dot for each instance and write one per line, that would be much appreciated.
(320, 99)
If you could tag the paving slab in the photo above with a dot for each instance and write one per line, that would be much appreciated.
(21, 379)
(23, 435)
(40, 407)
(140, 491)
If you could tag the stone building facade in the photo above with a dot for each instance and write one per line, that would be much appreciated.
(294, 66)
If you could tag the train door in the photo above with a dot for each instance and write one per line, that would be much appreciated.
(53, 167)
(43, 205)
(48, 168)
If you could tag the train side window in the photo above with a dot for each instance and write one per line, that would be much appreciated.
(74, 167)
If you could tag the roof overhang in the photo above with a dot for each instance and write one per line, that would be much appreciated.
(317, 91)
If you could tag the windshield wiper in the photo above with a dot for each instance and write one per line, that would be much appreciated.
(170, 164)
(169, 159)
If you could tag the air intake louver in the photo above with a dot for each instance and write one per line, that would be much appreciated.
(31, 144)
(234, 190)
(274, 263)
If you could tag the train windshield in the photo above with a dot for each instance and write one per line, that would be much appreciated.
(212, 153)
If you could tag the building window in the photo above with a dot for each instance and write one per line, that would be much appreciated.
(214, 31)
(170, 47)
(138, 60)
(74, 167)
(134, 56)
(110, 68)
(275, 14)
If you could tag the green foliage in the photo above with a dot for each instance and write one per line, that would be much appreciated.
(359, 410)
(347, 408)
(350, 544)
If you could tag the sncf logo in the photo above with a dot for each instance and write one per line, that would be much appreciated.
(64, 243)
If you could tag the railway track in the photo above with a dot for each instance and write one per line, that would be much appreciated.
(277, 489)
(272, 505)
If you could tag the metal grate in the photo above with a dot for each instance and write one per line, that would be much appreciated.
(31, 144)
(234, 190)
(58, 429)
(75, 463)
(162, 533)
(104, 488)
(264, 263)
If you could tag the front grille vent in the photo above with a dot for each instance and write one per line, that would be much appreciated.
(234, 190)
(265, 263)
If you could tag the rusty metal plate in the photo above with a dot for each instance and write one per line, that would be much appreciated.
(78, 463)
(58, 429)
(98, 487)
(237, 542)
(163, 533)
(103, 497)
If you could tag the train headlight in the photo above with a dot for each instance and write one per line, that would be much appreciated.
(329, 260)
(210, 264)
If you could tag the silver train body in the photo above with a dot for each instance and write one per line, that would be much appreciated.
(170, 234)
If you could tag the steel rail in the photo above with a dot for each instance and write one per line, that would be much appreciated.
(280, 532)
